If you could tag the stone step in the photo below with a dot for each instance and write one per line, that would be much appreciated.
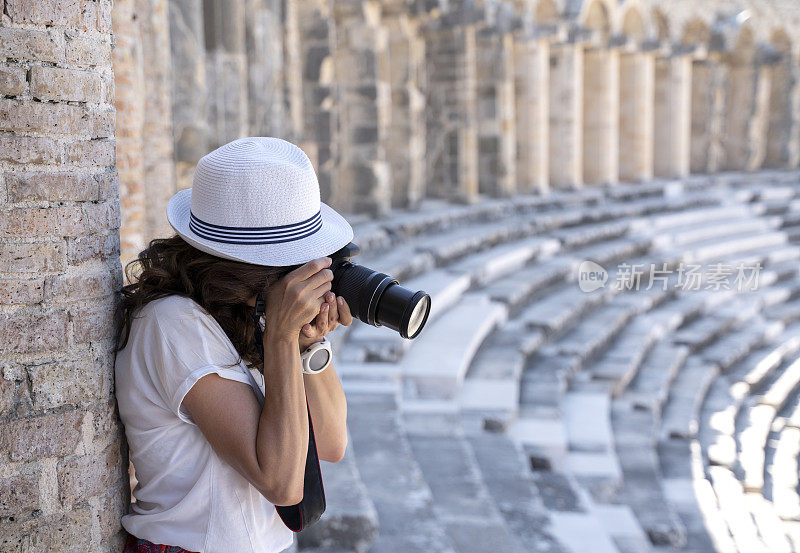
(759, 419)
(581, 532)
(392, 478)
(370, 343)
(593, 333)
(733, 245)
(650, 389)
(559, 310)
(518, 288)
(436, 364)
(736, 345)
(663, 222)
(708, 231)
(500, 261)
(620, 363)
(350, 522)
(623, 528)
(584, 235)
(681, 412)
(510, 484)
(784, 470)
(634, 436)
(450, 246)
(460, 499)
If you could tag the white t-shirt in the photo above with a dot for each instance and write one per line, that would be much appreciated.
(186, 495)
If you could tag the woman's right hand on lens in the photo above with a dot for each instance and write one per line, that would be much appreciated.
(296, 298)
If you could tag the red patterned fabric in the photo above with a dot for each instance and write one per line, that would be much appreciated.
(138, 545)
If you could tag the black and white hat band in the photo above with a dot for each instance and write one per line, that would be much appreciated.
(256, 235)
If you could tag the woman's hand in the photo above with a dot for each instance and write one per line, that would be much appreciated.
(296, 297)
(334, 311)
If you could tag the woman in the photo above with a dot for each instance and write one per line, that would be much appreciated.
(211, 464)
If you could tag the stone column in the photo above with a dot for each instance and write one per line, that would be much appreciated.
(314, 117)
(452, 132)
(497, 175)
(636, 103)
(672, 115)
(746, 114)
(264, 48)
(405, 149)
(531, 94)
(566, 115)
(189, 87)
(362, 182)
(709, 82)
(63, 454)
(601, 115)
(226, 69)
(783, 146)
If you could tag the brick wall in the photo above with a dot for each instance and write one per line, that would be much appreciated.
(62, 475)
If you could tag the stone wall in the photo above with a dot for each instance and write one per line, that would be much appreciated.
(63, 455)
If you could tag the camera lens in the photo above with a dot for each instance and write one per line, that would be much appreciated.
(378, 299)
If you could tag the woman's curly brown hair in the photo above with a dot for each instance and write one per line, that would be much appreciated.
(222, 287)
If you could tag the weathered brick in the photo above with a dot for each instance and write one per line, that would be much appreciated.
(57, 83)
(108, 184)
(113, 505)
(12, 80)
(78, 287)
(14, 291)
(53, 435)
(33, 330)
(103, 16)
(102, 216)
(27, 116)
(30, 149)
(89, 475)
(8, 397)
(28, 44)
(91, 153)
(18, 493)
(36, 186)
(64, 220)
(95, 246)
(32, 257)
(57, 533)
(65, 383)
(93, 321)
(44, 12)
(82, 49)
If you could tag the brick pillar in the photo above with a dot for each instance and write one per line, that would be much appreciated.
(451, 119)
(636, 98)
(672, 115)
(497, 147)
(600, 115)
(144, 121)
(362, 179)
(532, 68)
(189, 87)
(226, 70)
(566, 115)
(406, 133)
(63, 455)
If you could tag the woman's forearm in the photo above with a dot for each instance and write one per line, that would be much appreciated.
(282, 443)
(328, 408)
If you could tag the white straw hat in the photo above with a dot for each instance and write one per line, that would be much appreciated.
(257, 200)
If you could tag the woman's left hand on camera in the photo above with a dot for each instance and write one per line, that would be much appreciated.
(334, 311)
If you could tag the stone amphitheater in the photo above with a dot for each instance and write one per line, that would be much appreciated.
(601, 197)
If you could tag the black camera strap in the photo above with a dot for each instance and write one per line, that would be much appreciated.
(310, 509)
